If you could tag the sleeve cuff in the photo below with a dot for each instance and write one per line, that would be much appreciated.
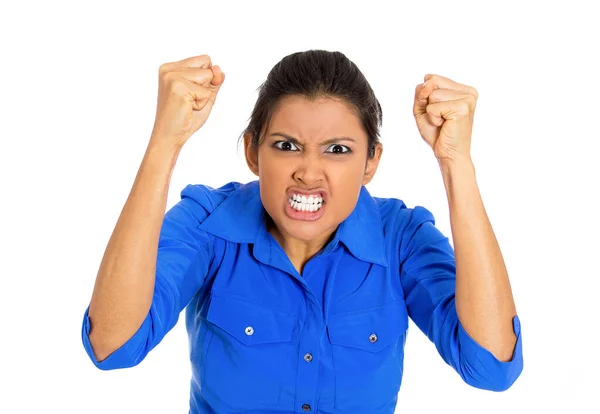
(121, 357)
(487, 371)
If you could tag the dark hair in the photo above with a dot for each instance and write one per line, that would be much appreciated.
(314, 74)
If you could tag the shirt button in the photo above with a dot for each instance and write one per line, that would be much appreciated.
(249, 330)
(373, 338)
(305, 407)
(308, 357)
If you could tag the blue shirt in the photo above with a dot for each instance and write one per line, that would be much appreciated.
(265, 339)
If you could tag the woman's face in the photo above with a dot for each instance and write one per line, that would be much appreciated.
(311, 165)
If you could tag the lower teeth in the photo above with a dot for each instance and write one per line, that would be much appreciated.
(315, 207)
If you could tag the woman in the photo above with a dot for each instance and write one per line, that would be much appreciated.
(298, 287)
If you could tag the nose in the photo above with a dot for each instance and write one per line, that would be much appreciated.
(309, 171)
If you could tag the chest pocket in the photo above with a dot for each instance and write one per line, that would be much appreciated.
(249, 353)
(368, 357)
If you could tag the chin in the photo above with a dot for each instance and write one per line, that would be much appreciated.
(304, 231)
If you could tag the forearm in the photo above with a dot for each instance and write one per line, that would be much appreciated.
(124, 285)
(484, 301)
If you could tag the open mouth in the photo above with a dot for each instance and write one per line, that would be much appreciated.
(300, 202)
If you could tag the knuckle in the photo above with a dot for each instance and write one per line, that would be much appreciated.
(178, 87)
(207, 58)
(162, 69)
(169, 77)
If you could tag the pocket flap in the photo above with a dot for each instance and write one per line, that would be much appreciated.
(370, 330)
(250, 323)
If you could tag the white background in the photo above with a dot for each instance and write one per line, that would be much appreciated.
(78, 94)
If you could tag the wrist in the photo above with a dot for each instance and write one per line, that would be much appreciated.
(457, 172)
(162, 152)
(165, 143)
(457, 164)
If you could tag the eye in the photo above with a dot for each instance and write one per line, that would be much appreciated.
(285, 146)
(338, 149)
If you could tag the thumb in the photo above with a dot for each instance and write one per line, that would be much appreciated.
(214, 86)
(421, 100)
(218, 79)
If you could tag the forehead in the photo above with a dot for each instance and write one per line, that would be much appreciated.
(308, 119)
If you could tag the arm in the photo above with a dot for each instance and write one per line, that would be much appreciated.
(153, 264)
(430, 276)
(484, 300)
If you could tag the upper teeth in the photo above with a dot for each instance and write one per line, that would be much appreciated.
(303, 203)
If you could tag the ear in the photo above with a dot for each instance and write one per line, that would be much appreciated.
(251, 153)
(372, 164)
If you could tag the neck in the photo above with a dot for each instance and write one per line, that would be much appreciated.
(298, 251)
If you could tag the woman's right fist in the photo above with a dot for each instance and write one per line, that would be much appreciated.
(187, 91)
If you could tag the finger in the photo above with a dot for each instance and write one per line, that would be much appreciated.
(466, 101)
(442, 82)
(441, 95)
(420, 106)
(448, 109)
(219, 76)
(201, 61)
(429, 93)
(200, 76)
(199, 95)
(421, 101)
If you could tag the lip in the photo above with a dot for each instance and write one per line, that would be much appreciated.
(304, 215)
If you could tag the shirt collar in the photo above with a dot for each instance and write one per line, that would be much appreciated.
(241, 218)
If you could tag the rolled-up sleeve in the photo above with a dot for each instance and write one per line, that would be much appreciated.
(183, 260)
(428, 277)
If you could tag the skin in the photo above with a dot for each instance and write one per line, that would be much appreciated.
(444, 111)
(281, 164)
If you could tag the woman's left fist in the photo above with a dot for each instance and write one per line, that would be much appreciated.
(444, 111)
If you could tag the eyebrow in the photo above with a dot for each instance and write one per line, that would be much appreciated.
(327, 141)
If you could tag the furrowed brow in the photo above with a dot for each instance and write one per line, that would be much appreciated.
(333, 140)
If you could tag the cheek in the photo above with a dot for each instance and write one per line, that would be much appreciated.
(346, 184)
(348, 196)
(273, 175)
(267, 165)
(346, 174)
